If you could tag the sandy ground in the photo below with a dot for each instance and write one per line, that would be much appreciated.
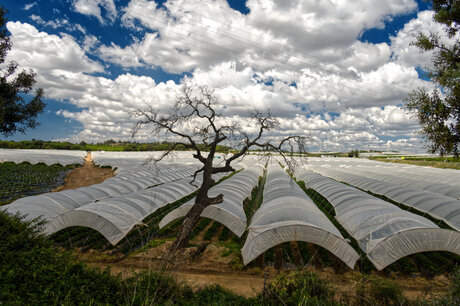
(86, 175)
(199, 269)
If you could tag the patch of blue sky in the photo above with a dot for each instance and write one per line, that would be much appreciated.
(52, 126)
(422, 74)
(50, 11)
(303, 107)
(112, 71)
(239, 5)
(386, 138)
(392, 26)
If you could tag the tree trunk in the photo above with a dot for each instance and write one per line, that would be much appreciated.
(191, 219)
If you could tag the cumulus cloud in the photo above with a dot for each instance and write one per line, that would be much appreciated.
(302, 60)
(44, 52)
(125, 57)
(272, 35)
(93, 8)
(411, 56)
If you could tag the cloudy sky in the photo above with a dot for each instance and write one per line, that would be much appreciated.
(335, 70)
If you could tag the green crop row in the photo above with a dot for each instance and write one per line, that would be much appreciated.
(24, 179)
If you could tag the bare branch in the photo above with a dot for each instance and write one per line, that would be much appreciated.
(194, 123)
(195, 174)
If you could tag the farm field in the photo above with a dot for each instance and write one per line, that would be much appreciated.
(437, 162)
(25, 179)
(214, 254)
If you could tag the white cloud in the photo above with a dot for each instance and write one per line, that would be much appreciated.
(93, 8)
(90, 43)
(44, 52)
(29, 6)
(272, 35)
(405, 53)
(125, 57)
(58, 23)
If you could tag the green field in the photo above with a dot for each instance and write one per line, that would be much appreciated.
(17, 180)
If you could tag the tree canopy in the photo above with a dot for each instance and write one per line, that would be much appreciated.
(16, 114)
(438, 111)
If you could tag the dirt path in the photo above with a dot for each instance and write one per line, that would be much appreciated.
(246, 284)
(86, 175)
(243, 284)
(211, 267)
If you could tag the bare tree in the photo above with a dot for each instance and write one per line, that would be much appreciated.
(195, 123)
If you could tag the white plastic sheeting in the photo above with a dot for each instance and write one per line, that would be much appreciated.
(441, 181)
(115, 217)
(48, 206)
(48, 157)
(230, 212)
(288, 214)
(436, 205)
(125, 161)
(383, 231)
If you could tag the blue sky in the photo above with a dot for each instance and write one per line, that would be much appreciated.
(337, 71)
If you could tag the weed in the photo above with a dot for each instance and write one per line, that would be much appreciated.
(299, 288)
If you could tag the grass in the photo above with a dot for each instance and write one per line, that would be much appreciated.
(231, 246)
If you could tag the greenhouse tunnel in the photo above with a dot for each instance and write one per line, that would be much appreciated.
(115, 217)
(383, 231)
(438, 206)
(288, 214)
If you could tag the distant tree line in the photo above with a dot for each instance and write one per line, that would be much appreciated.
(353, 153)
(108, 145)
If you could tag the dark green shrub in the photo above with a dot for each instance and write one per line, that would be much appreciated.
(216, 295)
(32, 271)
(224, 234)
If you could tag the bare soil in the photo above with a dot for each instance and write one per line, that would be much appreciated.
(86, 175)
(199, 268)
